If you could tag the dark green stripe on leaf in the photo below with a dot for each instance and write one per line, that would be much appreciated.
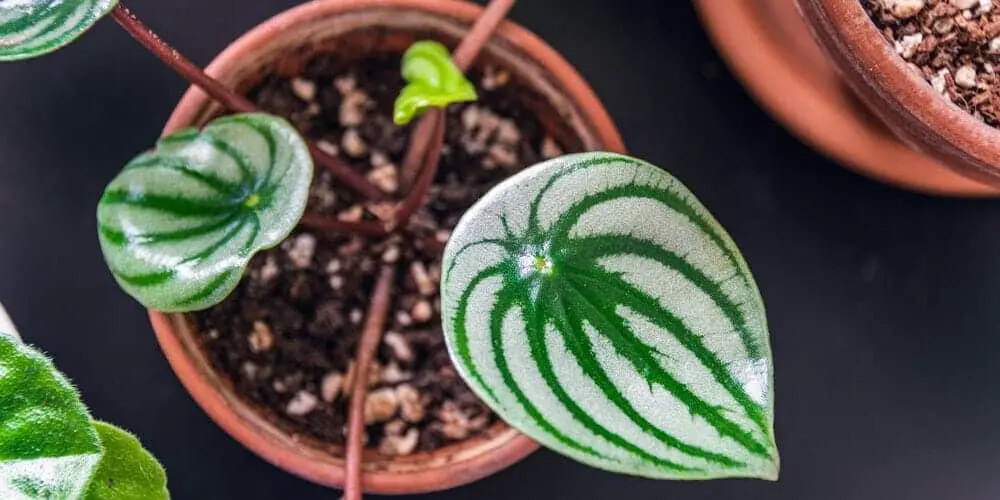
(171, 205)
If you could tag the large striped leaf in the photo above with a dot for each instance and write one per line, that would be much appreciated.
(48, 447)
(30, 28)
(180, 223)
(598, 307)
(432, 80)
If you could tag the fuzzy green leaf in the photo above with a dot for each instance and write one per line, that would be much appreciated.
(599, 308)
(30, 28)
(48, 447)
(180, 223)
(126, 471)
(432, 79)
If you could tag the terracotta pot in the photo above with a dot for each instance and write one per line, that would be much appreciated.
(899, 96)
(569, 111)
(768, 46)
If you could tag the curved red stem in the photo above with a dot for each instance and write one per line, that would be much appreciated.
(226, 97)
(416, 199)
(325, 223)
(371, 336)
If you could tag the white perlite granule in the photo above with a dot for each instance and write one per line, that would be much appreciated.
(965, 77)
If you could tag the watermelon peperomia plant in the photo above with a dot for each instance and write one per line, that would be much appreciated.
(598, 307)
(590, 300)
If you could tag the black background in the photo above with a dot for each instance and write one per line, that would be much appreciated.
(882, 303)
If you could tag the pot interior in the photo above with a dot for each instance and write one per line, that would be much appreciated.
(356, 36)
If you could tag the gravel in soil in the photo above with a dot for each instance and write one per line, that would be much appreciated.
(286, 337)
(953, 44)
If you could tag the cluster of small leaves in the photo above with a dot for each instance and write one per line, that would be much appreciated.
(432, 81)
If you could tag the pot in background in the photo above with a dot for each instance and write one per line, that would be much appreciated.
(897, 95)
(282, 45)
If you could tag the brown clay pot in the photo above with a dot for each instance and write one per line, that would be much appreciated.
(768, 46)
(897, 95)
(282, 44)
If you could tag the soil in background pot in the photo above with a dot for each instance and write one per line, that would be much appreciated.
(953, 44)
(286, 337)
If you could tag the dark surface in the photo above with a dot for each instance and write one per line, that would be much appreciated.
(882, 303)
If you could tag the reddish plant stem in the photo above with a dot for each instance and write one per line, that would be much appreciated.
(371, 336)
(425, 142)
(470, 46)
(419, 142)
(325, 223)
(415, 200)
(425, 150)
(433, 245)
(226, 97)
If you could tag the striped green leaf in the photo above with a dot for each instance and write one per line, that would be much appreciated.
(30, 28)
(48, 447)
(432, 80)
(598, 307)
(180, 223)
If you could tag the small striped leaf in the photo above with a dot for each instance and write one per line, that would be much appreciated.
(30, 28)
(432, 79)
(48, 447)
(126, 470)
(599, 308)
(180, 223)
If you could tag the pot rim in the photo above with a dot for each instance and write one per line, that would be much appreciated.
(236, 417)
(911, 105)
(801, 89)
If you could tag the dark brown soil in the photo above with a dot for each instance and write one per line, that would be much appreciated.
(287, 336)
(953, 44)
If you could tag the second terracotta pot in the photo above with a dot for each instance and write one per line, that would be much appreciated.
(899, 96)
(281, 45)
